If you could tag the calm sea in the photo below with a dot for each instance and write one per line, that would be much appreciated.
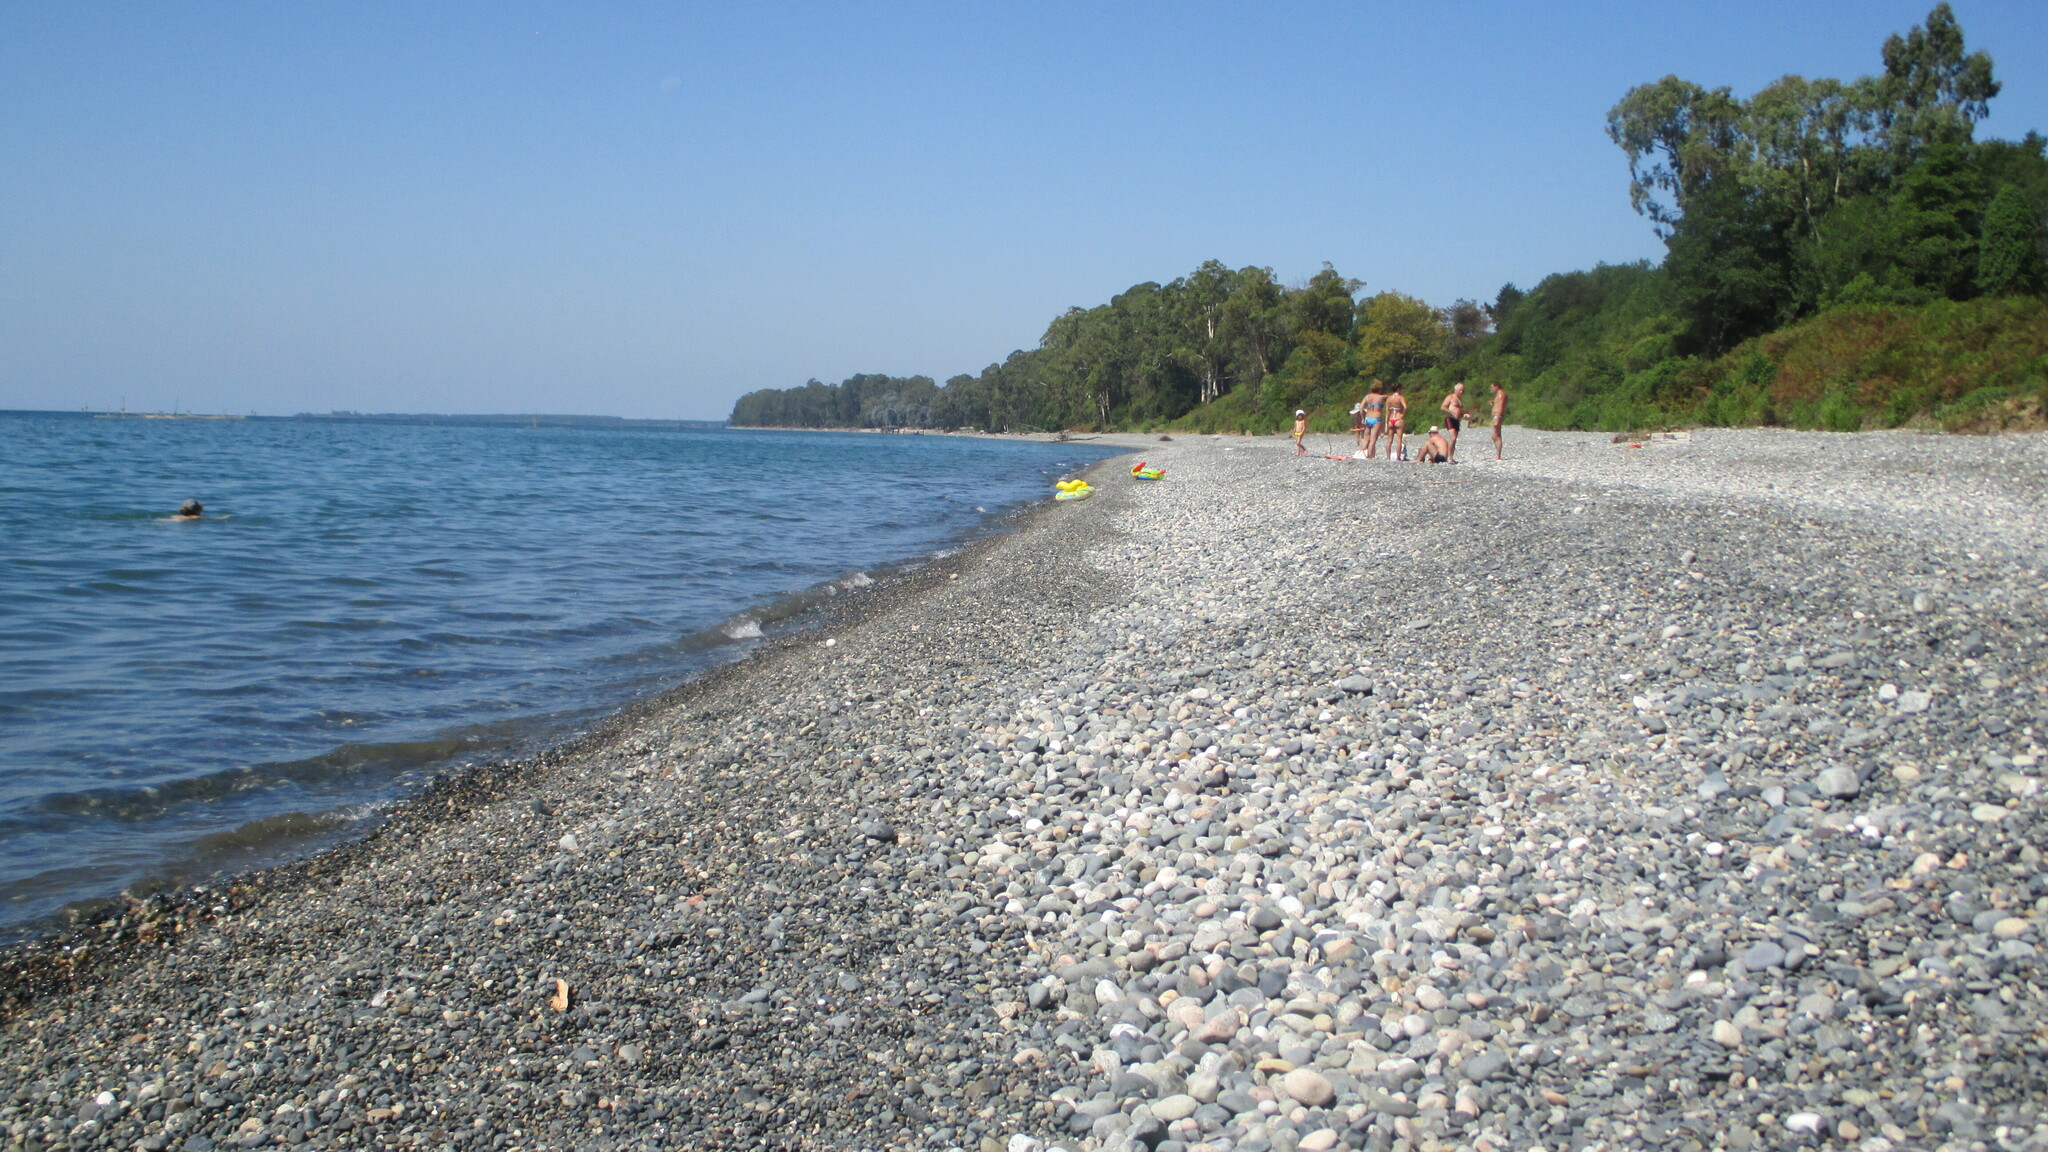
(365, 605)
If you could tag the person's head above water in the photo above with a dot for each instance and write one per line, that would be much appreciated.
(191, 509)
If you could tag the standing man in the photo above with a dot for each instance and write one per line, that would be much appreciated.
(1500, 411)
(1454, 416)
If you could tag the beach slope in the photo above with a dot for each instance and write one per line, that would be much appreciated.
(1677, 796)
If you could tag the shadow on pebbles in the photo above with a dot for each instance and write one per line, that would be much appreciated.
(1285, 804)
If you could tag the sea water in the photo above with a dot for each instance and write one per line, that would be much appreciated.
(364, 605)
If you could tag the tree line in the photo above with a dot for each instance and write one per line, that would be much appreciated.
(1810, 198)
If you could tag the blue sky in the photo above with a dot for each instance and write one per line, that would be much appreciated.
(647, 209)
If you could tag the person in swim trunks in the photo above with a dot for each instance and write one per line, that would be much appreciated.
(1397, 424)
(1500, 411)
(1435, 450)
(1300, 430)
(1454, 414)
(1374, 407)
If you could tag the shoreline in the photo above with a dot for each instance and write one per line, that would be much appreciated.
(194, 796)
(37, 965)
(1284, 804)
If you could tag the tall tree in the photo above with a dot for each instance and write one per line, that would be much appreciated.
(1677, 136)
(1504, 303)
(1397, 334)
(1324, 304)
(1730, 260)
(2010, 258)
(1253, 324)
(1932, 93)
(1803, 144)
(1198, 303)
(1936, 215)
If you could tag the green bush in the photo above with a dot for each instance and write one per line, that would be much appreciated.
(1838, 413)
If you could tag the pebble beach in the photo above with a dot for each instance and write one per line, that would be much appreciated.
(1684, 795)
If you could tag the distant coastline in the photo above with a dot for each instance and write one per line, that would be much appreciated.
(531, 419)
(551, 420)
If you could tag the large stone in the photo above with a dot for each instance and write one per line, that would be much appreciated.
(1485, 1066)
(1838, 782)
(1307, 1086)
(1761, 955)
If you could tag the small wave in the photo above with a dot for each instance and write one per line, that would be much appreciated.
(857, 580)
(271, 832)
(744, 628)
(141, 803)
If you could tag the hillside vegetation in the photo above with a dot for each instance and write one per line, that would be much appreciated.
(1839, 254)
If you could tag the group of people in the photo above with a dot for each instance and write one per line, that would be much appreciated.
(1383, 412)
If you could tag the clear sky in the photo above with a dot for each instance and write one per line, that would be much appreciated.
(647, 209)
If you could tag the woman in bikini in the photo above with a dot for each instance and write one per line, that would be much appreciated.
(1374, 406)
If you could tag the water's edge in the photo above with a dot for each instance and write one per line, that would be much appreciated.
(94, 934)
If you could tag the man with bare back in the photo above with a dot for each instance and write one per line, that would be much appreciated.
(1500, 411)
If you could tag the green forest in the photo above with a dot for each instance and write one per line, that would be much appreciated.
(1838, 254)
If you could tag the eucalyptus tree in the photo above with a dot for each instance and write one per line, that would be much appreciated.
(1253, 325)
(1197, 303)
(1932, 93)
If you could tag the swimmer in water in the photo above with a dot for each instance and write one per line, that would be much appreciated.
(189, 510)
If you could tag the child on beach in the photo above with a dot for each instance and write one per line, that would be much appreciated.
(1300, 430)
